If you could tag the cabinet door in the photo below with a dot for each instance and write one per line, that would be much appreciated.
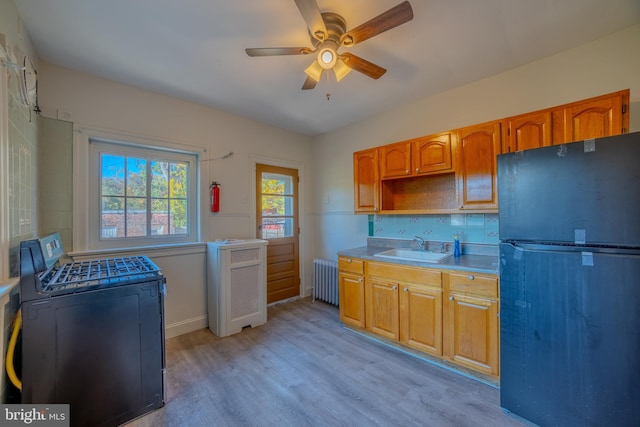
(365, 170)
(421, 318)
(602, 116)
(382, 308)
(527, 131)
(478, 148)
(472, 329)
(395, 160)
(432, 154)
(352, 303)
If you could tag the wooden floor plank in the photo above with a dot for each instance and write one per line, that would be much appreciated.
(303, 368)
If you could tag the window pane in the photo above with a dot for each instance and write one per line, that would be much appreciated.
(277, 205)
(273, 183)
(159, 217)
(159, 181)
(136, 217)
(112, 175)
(112, 204)
(277, 227)
(144, 193)
(112, 217)
(178, 217)
(136, 177)
(178, 181)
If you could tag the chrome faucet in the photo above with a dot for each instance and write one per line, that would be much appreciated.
(420, 242)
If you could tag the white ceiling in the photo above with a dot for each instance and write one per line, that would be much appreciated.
(194, 49)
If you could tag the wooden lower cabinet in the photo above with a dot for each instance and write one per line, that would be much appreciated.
(444, 313)
(472, 324)
(404, 304)
(351, 291)
(421, 318)
(382, 308)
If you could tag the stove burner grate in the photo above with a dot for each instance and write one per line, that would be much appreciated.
(99, 272)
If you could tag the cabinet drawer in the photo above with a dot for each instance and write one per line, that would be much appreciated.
(351, 265)
(471, 283)
(400, 273)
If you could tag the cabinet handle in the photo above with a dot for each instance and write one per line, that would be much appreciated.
(360, 280)
(417, 169)
(471, 277)
(349, 260)
(407, 171)
(406, 289)
(394, 287)
(450, 298)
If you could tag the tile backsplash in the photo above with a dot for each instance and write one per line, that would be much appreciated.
(471, 228)
(22, 161)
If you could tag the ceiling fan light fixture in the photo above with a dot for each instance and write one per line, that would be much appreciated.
(327, 58)
(314, 71)
(341, 69)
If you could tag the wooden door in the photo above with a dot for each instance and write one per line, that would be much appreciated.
(277, 222)
(421, 318)
(527, 131)
(352, 304)
(365, 181)
(477, 174)
(395, 160)
(382, 308)
(472, 332)
(432, 154)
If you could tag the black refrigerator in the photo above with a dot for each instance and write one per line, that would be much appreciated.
(570, 283)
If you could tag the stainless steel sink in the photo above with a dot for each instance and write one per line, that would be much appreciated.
(409, 255)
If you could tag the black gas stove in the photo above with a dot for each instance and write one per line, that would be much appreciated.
(92, 334)
(41, 276)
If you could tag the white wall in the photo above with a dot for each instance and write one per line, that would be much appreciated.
(99, 106)
(606, 65)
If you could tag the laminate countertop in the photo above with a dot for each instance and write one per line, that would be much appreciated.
(466, 262)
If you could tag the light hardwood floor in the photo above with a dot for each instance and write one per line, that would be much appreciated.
(303, 368)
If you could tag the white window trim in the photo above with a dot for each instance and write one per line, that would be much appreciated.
(86, 200)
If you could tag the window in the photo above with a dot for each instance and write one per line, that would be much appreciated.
(144, 195)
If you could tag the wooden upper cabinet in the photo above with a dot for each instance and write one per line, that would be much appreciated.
(366, 181)
(605, 115)
(395, 160)
(532, 130)
(432, 154)
(478, 148)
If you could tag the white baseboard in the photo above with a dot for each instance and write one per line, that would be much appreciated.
(185, 326)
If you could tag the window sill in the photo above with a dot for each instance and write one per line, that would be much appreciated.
(173, 249)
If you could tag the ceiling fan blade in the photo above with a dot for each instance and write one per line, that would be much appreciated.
(362, 65)
(313, 17)
(393, 17)
(310, 83)
(275, 51)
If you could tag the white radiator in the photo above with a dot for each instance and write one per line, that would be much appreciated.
(325, 281)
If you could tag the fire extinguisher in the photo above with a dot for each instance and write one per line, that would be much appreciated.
(215, 196)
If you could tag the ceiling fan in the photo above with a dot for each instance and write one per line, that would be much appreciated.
(328, 33)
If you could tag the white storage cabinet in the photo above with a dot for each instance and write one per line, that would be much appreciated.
(236, 285)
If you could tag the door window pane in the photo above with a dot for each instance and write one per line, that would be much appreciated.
(277, 206)
(277, 227)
